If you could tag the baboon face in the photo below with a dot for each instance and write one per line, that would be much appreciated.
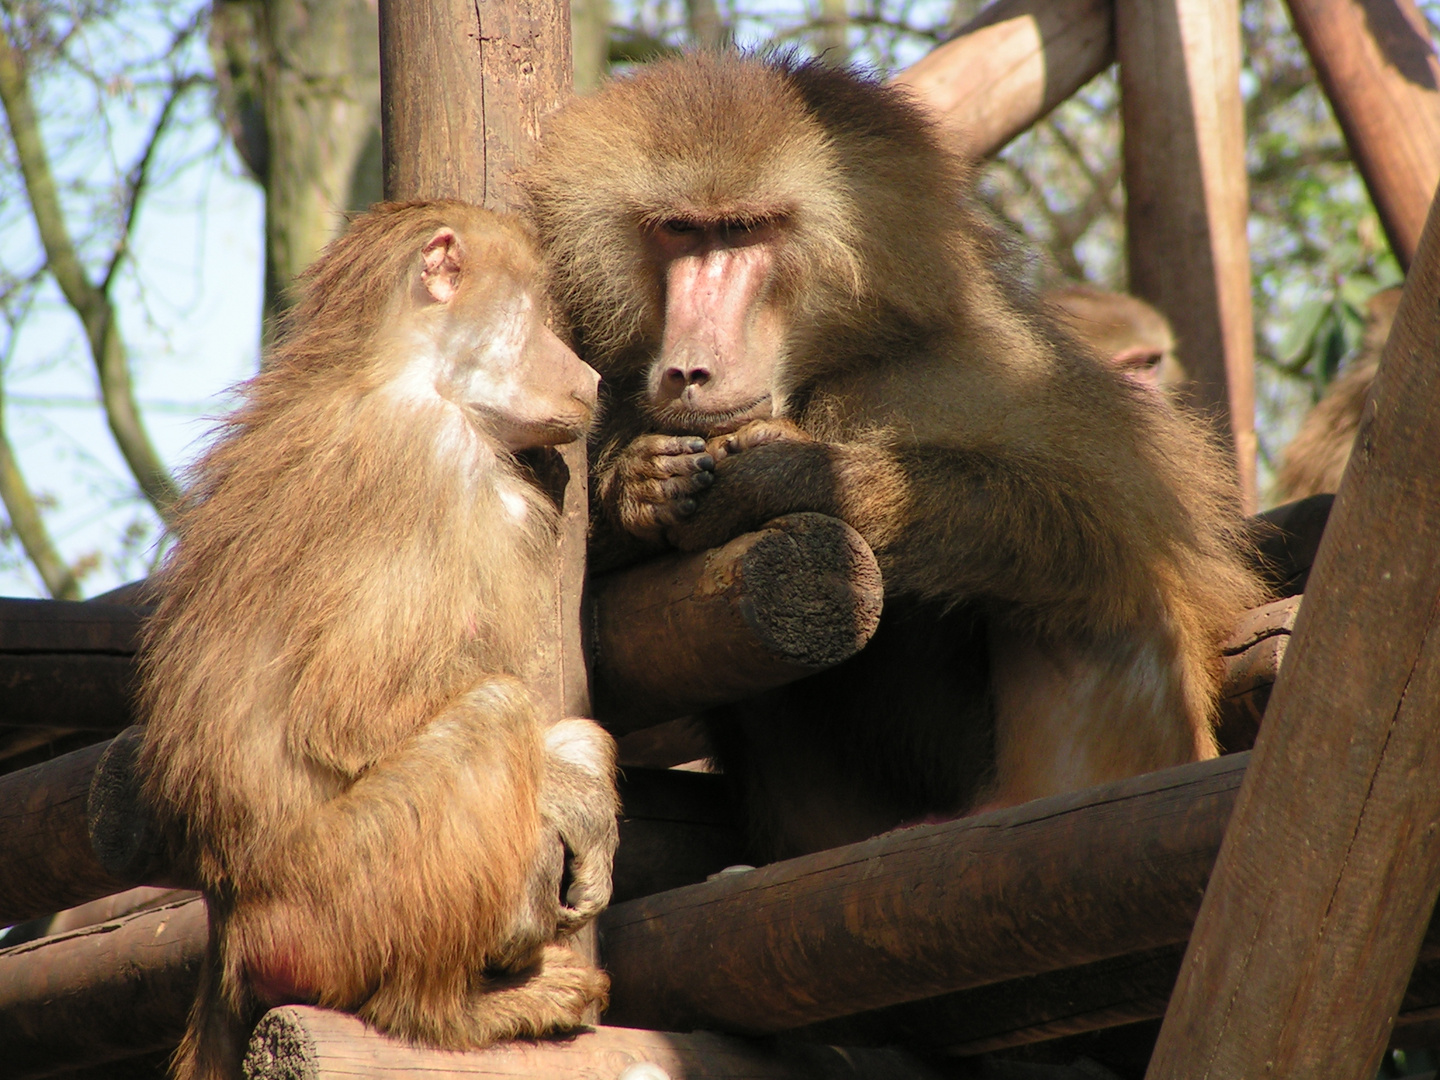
(724, 335)
(490, 351)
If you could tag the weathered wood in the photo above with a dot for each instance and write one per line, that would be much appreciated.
(75, 829)
(66, 666)
(685, 632)
(1010, 66)
(1252, 663)
(1327, 879)
(676, 828)
(674, 742)
(100, 994)
(924, 911)
(1286, 539)
(1092, 997)
(92, 912)
(44, 844)
(463, 88)
(1377, 64)
(300, 1041)
(1186, 203)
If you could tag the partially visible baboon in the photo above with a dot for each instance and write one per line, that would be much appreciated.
(1315, 459)
(793, 311)
(1132, 335)
(338, 739)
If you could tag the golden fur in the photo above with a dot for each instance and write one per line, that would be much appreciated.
(1059, 546)
(338, 736)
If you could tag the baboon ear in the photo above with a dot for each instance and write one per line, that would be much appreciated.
(441, 273)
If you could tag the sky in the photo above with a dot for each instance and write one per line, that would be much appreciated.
(189, 306)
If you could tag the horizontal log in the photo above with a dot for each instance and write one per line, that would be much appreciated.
(1010, 906)
(65, 667)
(685, 632)
(101, 994)
(44, 838)
(1011, 65)
(1092, 997)
(75, 830)
(1252, 662)
(321, 1045)
(1052, 884)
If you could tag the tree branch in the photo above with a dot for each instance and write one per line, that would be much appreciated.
(90, 303)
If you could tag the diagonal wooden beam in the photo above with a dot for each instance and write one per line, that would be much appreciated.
(1329, 871)
(1010, 66)
(1377, 63)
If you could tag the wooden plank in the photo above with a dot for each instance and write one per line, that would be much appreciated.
(769, 607)
(1327, 879)
(1010, 66)
(1187, 198)
(1377, 63)
(929, 910)
(301, 1041)
(100, 994)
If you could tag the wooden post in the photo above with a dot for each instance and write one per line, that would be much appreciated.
(1010, 66)
(1378, 66)
(1329, 872)
(463, 89)
(1187, 198)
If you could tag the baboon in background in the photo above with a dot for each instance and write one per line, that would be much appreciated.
(1315, 459)
(792, 310)
(1132, 335)
(337, 739)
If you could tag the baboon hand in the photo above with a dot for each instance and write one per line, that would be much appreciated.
(579, 802)
(755, 433)
(656, 482)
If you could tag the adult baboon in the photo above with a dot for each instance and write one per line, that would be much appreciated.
(794, 309)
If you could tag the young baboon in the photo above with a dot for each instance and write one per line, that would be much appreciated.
(1316, 458)
(337, 738)
(772, 264)
(1132, 335)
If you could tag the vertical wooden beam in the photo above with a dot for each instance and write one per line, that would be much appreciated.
(463, 88)
(1011, 65)
(1187, 197)
(1328, 874)
(1377, 63)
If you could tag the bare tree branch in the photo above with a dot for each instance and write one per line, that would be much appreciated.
(91, 303)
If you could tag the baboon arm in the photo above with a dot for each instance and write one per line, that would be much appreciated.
(439, 841)
(944, 522)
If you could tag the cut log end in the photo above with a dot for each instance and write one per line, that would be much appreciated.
(125, 840)
(683, 633)
(811, 590)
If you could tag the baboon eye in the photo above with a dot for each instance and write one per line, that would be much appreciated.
(680, 227)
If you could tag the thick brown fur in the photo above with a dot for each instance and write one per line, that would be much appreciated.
(1134, 337)
(339, 738)
(1316, 458)
(1059, 546)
